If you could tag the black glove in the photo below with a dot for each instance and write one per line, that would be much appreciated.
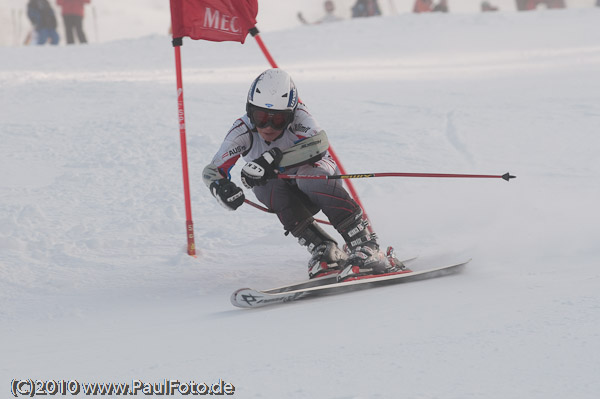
(230, 196)
(257, 172)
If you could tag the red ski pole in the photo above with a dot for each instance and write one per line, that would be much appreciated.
(506, 176)
(262, 208)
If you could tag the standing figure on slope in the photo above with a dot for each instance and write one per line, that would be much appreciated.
(486, 6)
(41, 15)
(442, 6)
(422, 6)
(72, 13)
(329, 15)
(276, 121)
(365, 8)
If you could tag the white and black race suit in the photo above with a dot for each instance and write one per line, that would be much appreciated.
(292, 200)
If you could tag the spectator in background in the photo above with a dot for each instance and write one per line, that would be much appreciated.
(422, 6)
(329, 14)
(442, 6)
(365, 8)
(72, 13)
(42, 17)
(428, 6)
(486, 6)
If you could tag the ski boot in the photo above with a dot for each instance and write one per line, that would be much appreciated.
(326, 257)
(365, 258)
(391, 255)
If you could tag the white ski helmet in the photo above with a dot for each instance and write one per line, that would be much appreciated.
(274, 92)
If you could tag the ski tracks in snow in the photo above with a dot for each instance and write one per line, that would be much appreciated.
(453, 137)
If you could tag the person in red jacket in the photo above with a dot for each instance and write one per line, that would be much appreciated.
(422, 6)
(72, 13)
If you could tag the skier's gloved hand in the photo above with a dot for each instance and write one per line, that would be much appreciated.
(230, 196)
(257, 172)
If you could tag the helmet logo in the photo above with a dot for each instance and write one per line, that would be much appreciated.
(268, 105)
(293, 100)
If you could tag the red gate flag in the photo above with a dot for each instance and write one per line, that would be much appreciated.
(214, 20)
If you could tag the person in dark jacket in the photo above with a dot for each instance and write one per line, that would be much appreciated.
(486, 6)
(42, 17)
(442, 6)
(365, 8)
(72, 13)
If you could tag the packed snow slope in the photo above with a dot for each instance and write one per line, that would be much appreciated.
(95, 284)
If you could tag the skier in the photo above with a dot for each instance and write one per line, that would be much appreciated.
(275, 120)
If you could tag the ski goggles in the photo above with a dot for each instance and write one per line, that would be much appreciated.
(276, 119)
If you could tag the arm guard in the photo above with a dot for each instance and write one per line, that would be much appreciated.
(306, 151)
(211, 174)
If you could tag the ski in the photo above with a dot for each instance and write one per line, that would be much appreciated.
(316, 282)
(250, 298)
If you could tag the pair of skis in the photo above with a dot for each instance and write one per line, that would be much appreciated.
(328, 285)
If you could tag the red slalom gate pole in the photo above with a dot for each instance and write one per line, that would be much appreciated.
(256, 34)
(191, 246)
(350, 185)
(506, 176)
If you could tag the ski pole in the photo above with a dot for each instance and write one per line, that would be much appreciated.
(506, 176)
(13, 14)
(95, 17)
(262, 208)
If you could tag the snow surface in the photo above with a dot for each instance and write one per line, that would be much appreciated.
(95, 284)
